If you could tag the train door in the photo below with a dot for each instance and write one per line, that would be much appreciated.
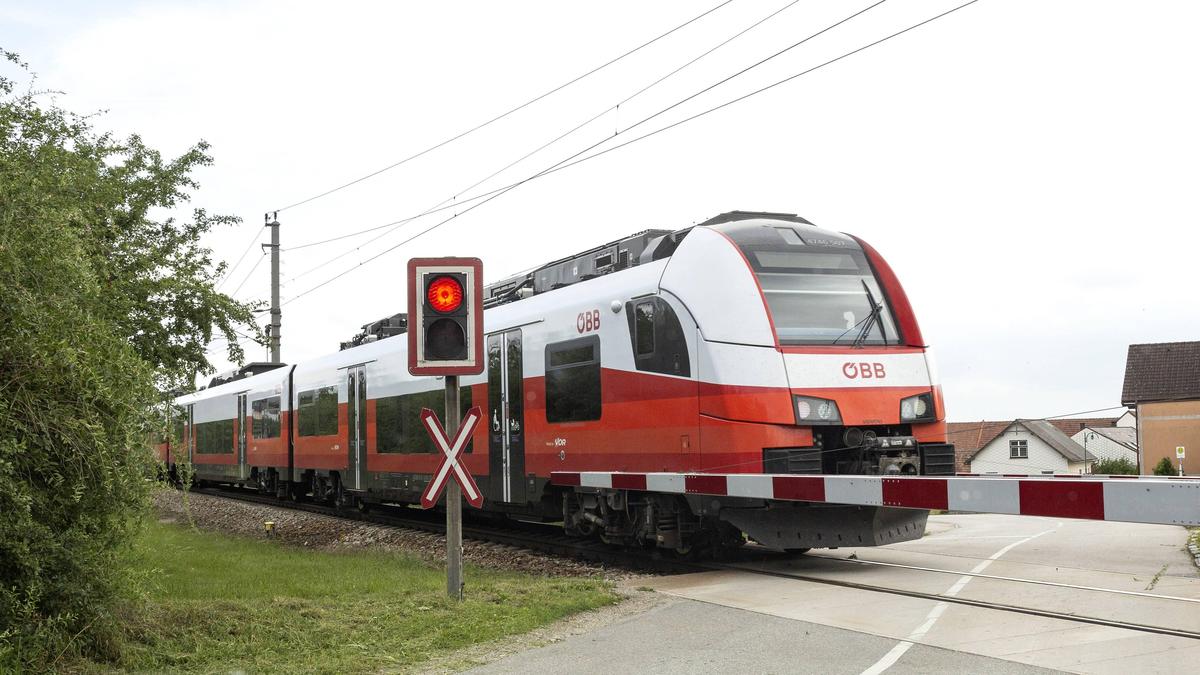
(506, 418)
(356, 423)
(240, 430)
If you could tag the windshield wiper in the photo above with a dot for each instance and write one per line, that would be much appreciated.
(876, 310)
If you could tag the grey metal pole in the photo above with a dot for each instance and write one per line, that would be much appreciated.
(276, 312)
(454, 548)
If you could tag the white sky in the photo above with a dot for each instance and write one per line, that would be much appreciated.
(1028, 168)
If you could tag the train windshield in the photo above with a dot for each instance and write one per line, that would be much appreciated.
(823, 297)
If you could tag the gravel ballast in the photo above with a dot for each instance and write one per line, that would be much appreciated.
(318, 531)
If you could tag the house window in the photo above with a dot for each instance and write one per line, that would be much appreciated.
(1018, 449)
(573, 380)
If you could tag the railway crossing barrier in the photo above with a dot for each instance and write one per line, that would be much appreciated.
(1134, 499)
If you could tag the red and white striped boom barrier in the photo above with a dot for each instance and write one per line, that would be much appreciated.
(1133, 499)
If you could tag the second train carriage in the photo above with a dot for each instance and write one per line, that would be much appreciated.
(752, 343)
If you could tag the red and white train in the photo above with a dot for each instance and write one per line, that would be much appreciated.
(752, 343)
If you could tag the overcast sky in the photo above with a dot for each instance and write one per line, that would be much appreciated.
(1029, 168)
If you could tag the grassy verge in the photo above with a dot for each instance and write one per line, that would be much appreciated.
(221, 603)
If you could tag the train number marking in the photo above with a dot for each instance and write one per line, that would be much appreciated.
(864, 371)
(588, 321)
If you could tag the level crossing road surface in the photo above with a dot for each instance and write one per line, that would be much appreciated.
(757, 617)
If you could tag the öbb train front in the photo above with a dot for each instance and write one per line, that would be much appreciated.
(809, 360)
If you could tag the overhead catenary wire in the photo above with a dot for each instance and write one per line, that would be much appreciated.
(547, 144)
(555, 167)
(504, 114)
(575, 159)
(248, 275)
(559, 165)
(253, 241)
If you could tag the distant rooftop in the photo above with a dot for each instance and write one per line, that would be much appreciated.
(1164, 371)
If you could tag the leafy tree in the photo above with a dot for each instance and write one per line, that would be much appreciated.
(1115, 467)
(104, 303)
(1164, 468)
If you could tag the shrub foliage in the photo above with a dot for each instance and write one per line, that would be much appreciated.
(102, 307)
(1115, 467)
(1165, 468)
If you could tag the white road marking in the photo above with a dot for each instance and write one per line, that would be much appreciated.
(889, 659)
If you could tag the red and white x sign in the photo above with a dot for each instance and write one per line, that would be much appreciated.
(450, 455)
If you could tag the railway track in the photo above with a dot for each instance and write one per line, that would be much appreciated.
(984, 604)
(548, 539)
(537, 537)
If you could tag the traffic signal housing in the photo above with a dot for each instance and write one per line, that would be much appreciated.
(445, 316)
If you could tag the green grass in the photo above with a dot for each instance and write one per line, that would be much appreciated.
(220, 604)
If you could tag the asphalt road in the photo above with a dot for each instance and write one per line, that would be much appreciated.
(739, 620)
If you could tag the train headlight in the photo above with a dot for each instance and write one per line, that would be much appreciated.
(917, 408)
(812, 410)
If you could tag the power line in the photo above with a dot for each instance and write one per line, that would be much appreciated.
(248, 275)
(579, 126)
(505, 114)
(554, 167)
(1083, 412)
(233, 269)
(566, 163)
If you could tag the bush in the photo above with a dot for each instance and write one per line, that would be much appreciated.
(1115, 467)
(98, 303)
(1165, 468)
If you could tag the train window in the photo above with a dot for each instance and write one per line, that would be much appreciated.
(317, 410)
(659, 345)
(573, 380)
(643, 328)
(265, 418)
(398, 421)
(823, 297)
(214, 438)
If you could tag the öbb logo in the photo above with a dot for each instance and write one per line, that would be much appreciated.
(864, 371)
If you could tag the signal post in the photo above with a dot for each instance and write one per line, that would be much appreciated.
(445, 337)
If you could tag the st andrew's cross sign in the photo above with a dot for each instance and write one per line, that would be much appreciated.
(451, 452)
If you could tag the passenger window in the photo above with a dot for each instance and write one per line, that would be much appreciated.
(214, 438)
(398, 421)
(659, 344)
(573, 380)
(265, 418)
(317, 410)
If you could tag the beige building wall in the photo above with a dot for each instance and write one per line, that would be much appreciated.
(1164, 426)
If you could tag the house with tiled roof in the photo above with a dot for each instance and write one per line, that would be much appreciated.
(1109, 442)
(969, 437)
(1162, 386)
(1030, 447)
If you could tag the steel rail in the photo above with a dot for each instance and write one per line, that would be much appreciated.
(983, 604)
(1040, 582)
(522, 534)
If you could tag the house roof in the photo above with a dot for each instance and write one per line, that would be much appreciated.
(969, 437)
(1049, 434)
(1126, 436)
(1073, 425)
(1164, 371)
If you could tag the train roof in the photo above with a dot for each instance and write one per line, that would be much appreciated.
(648, 246)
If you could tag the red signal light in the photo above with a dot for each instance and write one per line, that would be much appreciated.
(445, 294)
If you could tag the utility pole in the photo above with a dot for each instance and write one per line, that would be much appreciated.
(272, 221)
